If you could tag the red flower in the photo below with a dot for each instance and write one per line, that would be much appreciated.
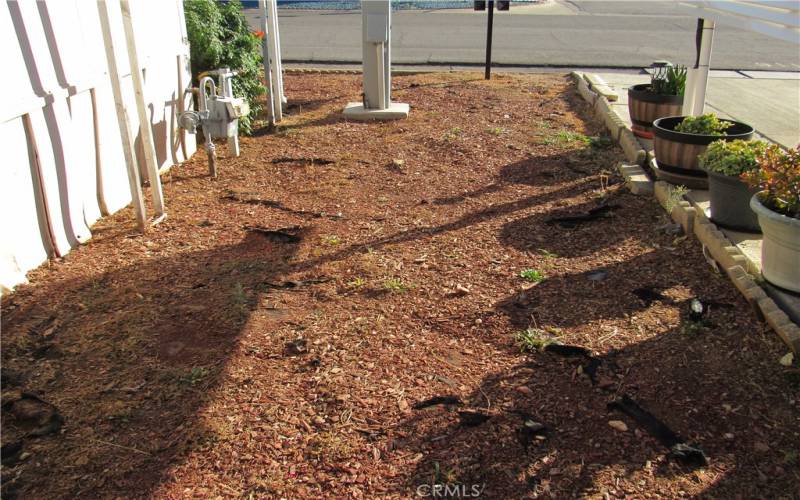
(258, 34)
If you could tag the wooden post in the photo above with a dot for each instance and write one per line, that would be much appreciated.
(128, 149)
(146, 131)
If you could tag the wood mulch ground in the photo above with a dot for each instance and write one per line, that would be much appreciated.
(209, 358)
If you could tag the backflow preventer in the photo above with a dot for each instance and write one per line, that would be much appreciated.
(218, 114)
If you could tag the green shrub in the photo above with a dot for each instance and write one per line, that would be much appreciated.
(219, 37)
(778, 176)
(732, 158)
(707, 124)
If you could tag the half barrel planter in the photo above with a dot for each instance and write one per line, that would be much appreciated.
(677, 152)
(646, 107)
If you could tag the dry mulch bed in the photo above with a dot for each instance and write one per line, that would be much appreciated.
(214, 358)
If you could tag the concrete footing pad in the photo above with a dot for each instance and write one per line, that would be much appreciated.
(395, 111)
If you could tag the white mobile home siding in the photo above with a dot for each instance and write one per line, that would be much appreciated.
(62, 163)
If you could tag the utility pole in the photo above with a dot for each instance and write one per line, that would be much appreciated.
(490, 8)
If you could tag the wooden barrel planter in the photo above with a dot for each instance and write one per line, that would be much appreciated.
(677, 152)
(646, 107)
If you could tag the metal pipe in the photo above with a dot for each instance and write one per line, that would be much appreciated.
(211, 151)
(490, 22)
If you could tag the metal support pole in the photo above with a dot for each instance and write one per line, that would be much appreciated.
(211, 152)
(490, 22)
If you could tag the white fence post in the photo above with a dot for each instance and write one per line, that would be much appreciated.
(128, 148)
(145, 129)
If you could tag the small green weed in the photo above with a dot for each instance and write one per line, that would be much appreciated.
(440, 476)
(600, 142)
(534, 339)
(546, 253)
(239, 296)
(563, 137)
(197, 374)
(532, 275)
(674, 196)
(495, 130)
(331, 240)
(452, 134)
(395, 285)
(357, 282)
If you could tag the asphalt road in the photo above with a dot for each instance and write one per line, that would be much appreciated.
(600, 34)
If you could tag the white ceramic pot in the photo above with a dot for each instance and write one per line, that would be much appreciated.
(780, 248)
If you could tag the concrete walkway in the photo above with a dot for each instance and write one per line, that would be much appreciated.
(769, 101)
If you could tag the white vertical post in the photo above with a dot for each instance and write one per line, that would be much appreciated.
(262, 8)
(128, 149)
(275, 58)
(694, 98)
(146, 131)
(375, 22)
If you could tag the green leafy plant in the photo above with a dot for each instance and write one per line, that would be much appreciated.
(707, 124)
(732, 158)
(532, 275)
(331, 240)
(673, 84)
(219, 37)
(779, 180)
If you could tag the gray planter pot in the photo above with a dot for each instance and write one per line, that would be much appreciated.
(730, 203)
(780, 248)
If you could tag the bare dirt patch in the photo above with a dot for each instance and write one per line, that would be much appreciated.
(215, 357)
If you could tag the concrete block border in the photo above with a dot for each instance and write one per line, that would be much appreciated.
(727, 256)
(636, 179)
(634, 152)
(600, 86)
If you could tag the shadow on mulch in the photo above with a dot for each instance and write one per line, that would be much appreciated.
(676, 375)
(133, 385)
(470, 219)
(532, 171)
